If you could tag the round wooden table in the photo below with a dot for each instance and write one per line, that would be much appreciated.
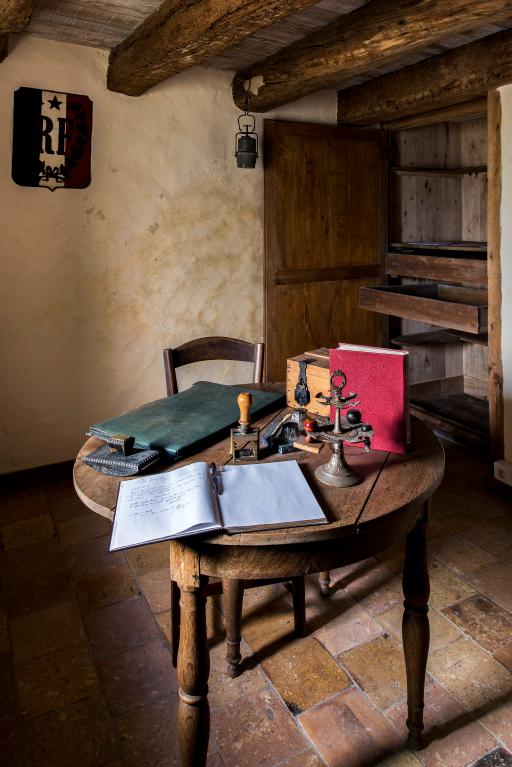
(389, 505)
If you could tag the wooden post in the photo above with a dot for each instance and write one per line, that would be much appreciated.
(415, 625)
(496, 410)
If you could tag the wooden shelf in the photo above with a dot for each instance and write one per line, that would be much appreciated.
(476, 247)
(438, 267)
(447, 407)
(440, 172)
(440, 337)
(448, 306)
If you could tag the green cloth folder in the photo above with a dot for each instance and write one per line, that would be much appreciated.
(188, 421)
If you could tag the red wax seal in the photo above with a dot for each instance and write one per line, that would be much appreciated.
(309, 426)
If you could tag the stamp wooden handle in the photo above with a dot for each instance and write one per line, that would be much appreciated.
(245, 400)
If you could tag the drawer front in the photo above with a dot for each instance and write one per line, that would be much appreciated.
(470, 271)
(448, 314)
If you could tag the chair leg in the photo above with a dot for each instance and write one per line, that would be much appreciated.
(233, 599)
(175, 622)
(299, 605)
(324, 581)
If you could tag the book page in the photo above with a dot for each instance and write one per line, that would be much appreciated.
(164, 506)
(266, 495)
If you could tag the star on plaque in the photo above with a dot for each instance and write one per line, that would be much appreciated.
(54, 103)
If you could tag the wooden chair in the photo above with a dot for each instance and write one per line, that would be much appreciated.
(200, 350)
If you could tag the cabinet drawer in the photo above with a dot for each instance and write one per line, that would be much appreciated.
(442, 268)
(448, 306)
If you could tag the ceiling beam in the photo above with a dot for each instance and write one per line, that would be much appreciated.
(14, 16)
(379, 33)
(458, 75)
(183, 33)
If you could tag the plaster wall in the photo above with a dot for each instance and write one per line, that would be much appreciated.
(506, 261)
(165, 245)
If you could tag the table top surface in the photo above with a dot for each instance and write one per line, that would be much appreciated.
(392, 485)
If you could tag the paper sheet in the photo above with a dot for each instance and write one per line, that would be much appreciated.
(164, 506)
(266, 495)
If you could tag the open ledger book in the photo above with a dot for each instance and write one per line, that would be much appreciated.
(193, 500)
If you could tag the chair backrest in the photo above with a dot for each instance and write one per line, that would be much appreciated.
(212, 348)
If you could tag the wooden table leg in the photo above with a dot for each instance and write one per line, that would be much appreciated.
(415, 625)
(193, 658)
(233, 599)
(324, 580)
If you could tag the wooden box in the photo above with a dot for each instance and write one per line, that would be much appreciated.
(317, 374)
(449, 306)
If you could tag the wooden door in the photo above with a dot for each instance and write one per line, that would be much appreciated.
(325, 235)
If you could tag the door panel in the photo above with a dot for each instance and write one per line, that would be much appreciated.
(325, 234)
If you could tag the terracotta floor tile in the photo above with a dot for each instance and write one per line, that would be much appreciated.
(83, 528)
(80, 734)
(46, 631)
(495, 581)
(27, 561)
(504, 655)
(148, 737)
(442, 632)
(27, 531)
(348, 732)
(304, 673)
(379, 669)
(452, 738)
(256, 731)
(351, 628)
(156, 586)
(22, 505)
(446, 588)
(498, 720)
(377, 590)
(63, 502)
(473, 676)
(49, 588)
(223, 689)
(489, 625)
(393, 558)
(493, 536)
(137, 677)
(105, 587)
(307, 759)
(54, 681)
(144, 559)
(497, 758)
(403, 758)
(458, 554)
(13, 748)
(268, 627)
(121, 626)
(91, 556)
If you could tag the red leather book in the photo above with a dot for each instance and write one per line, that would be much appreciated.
(379, 377)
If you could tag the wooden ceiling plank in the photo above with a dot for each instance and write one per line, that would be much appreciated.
(458, 75)
(183, 33)
(379, 33)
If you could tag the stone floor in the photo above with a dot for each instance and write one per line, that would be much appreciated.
(86, 676)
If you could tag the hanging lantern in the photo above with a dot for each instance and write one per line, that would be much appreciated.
(246, 140)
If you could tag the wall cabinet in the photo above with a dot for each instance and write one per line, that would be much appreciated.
(436, 298)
